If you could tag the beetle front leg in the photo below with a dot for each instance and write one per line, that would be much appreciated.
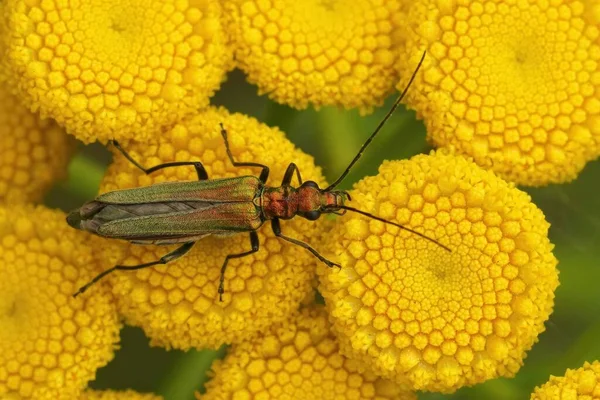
(264, 174)
(200, 170)
(254, 242)
(174, 255)
(277, 231)
(289, 173)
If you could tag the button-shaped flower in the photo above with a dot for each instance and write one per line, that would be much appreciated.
(34, 152)
(325, 52)
(118, 68)
(116, 395)
(581, 383)
(296, 360)
(425, 317)
(50, 344)
(515, 85)
(177, 305)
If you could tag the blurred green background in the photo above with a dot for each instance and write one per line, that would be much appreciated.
(333, 136)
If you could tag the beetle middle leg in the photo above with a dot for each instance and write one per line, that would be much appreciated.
(200, 170)
(255, 245)
(276, 226)
(264, 174)
(167, 258)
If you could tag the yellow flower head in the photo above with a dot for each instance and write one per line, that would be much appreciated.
(425, 317)
(34, 152)
(515, 85)
(296, 360)
(582, 384)
(178, 305)
(115, 395)
(50, 344)
(117, 69)
(319, 52)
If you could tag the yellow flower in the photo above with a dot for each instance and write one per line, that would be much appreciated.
(319, 52)
(299, 360)
(425, 317)
(116, 69)
(582, 384)
(515, 85)
(177, 305)
(115, 395)
(50, 344)
(34, 152)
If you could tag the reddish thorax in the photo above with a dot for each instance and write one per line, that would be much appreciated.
(285, 202)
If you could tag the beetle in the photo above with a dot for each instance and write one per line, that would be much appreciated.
(186, 211)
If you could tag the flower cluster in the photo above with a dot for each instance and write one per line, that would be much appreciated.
(115, 69)
(178, 305)
(515, 85)
(298, 359)
(325, 52)
(581, 383)
(425, 317)
(50, 343)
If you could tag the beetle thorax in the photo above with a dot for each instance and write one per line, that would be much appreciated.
(285, 202)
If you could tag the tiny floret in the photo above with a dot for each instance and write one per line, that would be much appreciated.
(325, 52)
(513, 84)
(34, 152)
(581, 384)
(425, 317)
(116, 69)
(296, 360)
(50, 343)
(178, 305)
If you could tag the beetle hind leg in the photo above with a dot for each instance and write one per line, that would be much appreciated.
(167, 258)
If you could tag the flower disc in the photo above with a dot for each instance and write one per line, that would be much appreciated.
(425, 317)
(116, 68)
(513, 84)
(581, 384)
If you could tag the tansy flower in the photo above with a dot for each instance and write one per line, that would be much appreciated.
(177, 305)
(116, 395)
(319, 52)
(582, 384)
(296, 360)
(118, 68)
(515, 85)
(50, 344)
(425, 317)
(34, 152)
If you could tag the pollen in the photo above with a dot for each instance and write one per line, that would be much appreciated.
(177, 305)
(581, 383)
(117, 395)
(34, 152)
(425, 317)
(115, 69)
(514, 85)
(50, 343)
(317, 52)
(296, 360)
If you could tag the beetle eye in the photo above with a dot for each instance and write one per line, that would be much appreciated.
(312, 215)
(311, 184)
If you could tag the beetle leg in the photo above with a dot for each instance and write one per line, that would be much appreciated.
(174, 255)
(255, 245)
(277, 231)
(264, 174)
(289, 173)
(200, 170)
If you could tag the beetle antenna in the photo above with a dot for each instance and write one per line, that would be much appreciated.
(366, 214)
(383, 121)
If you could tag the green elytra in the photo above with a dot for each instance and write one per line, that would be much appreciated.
(185, 212)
